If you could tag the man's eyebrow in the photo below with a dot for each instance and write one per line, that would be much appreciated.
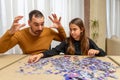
(36, 23)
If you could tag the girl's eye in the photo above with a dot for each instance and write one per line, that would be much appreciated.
(74, 29)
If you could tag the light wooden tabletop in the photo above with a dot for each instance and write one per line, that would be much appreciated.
(8, 59)
(115, 59)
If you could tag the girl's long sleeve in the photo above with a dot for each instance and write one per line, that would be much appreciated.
(55, 51)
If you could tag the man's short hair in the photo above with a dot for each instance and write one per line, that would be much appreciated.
(35, 13)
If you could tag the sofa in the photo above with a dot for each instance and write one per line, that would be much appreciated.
(113, 45)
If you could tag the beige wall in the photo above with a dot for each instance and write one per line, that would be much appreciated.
(98, 11)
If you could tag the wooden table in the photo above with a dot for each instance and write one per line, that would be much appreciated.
(11, 71)
(115, 59)
(8, 59)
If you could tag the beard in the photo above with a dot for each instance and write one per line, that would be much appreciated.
(37, 32)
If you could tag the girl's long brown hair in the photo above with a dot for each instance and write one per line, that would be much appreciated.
(84, 43)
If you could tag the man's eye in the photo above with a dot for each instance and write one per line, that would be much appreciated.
(42, 24)
(36, 25)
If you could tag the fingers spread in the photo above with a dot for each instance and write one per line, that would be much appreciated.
(17, 19)
(50, 18)
(22, 25)
(54, 16)
(60, 19)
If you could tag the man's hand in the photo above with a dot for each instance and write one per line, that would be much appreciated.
(16, 26)
(35, 58)
(56, 21)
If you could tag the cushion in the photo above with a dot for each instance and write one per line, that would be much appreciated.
(113, 45)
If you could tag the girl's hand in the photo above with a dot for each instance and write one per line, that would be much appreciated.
(92, 52)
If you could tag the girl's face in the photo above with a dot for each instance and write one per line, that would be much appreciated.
(75, 31)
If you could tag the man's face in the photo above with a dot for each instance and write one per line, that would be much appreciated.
(36, 24)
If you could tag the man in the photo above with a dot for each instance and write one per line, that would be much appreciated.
(34, 39)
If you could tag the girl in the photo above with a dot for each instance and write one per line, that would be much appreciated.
(77, 44)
